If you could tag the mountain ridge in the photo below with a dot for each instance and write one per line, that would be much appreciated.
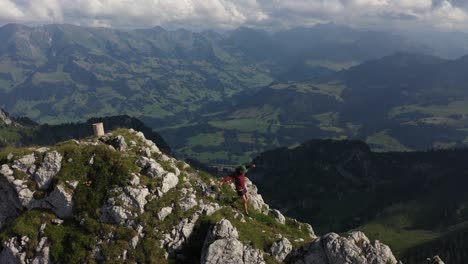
(122, 184)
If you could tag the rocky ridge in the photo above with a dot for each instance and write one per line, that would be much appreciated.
(120, 199)
(5, 118)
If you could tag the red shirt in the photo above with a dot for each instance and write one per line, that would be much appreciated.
(239, 180)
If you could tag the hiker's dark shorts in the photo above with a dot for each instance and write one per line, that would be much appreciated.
(240, 193)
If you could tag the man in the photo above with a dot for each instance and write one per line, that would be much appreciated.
(239, 181)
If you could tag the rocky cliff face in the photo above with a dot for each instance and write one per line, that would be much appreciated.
(118, 198)
(331, 248)
(5, 118)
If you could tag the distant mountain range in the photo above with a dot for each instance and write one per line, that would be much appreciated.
(400, 102)
(414, 201)
(222, 98)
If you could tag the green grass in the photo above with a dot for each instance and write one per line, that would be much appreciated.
(245, 137)
(438, 114)
(71, 243)
(245, 125)
(255, 119)
(328, 122)
(398, 239)
(206, 139)
(332, 89)
(401, 226)
(9, 135)
(50, 77)
(110, 169)
(213, 155)
(264, 112)
(27, 224)
(259, 230)
(4, 152)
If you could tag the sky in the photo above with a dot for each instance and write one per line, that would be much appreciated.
(271, 15)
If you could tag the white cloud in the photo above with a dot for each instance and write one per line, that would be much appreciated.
(45, 10)
(449, 16)
(271, 14)
(9, 11)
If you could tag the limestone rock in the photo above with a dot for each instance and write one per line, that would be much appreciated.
(6, 171)
(333, 249)
(145, 151)
(15, 190)
(255, 199)
(176, 170)
(12, 252)
(125, 205)
(117, 142)
(188, 200)
(209, 208)
(150, 167)
(142, 162)
(42, 253)
(224, 229)
(42, 150)
(57, 221)
(15, 251)
(50, 166)
(435, 260)
(137, 196)
(5, 118)
(164, 158)
(208, 191)
(229, 251)
(152, 147)
(24, 163)
(10, 205)
(164, 212)
(310, 230)
(25, 196)
(155, 169)
(135, 181)
(116, 214)
(60, 201)
(280, 249)
(72, 184)
(175, 239)
(221, 246)
(253, 256)
(170, 180)
(279, 217)
(120, 143)
(134, 242)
